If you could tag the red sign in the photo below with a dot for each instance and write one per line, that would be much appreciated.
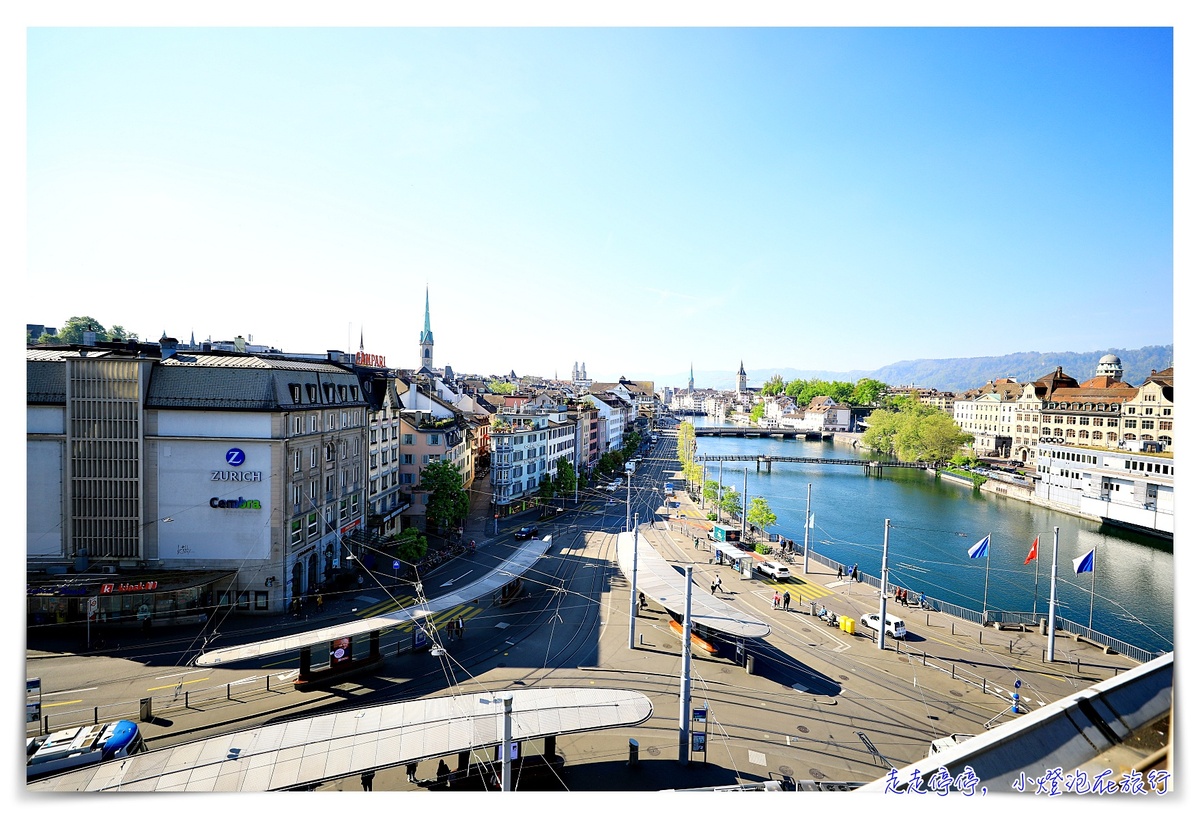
(127, 587)
(369, 359)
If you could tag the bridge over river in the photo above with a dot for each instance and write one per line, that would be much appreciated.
(745, 431)
(869, 467)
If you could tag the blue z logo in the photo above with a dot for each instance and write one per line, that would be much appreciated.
(235, 457)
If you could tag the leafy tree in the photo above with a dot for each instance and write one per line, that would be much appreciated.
(411, 545)
(72, 331)
(118, 333)
(757, 412)
(916, 432)
(711, 489)
(497, 387)
(731, 501)
(633, 439)
(760, 515)
(774, 386)
(448, 502)
(868, 391)
(565, 479)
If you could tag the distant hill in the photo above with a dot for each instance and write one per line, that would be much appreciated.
(958, 374)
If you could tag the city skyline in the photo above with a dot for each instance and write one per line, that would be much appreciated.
(583, 195)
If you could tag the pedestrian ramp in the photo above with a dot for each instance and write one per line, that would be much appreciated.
(799, 587)
(386, 606)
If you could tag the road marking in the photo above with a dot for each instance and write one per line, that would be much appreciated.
(65, 692)
(60, 704)
(456, 579)
(188, 682)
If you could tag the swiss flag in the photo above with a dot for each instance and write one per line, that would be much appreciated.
(1032, 551)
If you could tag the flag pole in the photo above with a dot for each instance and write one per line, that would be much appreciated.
(987, 565)
(1092, 603)
(1037, 563)
(1053, 591)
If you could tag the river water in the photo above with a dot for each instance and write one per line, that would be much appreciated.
(934, 523)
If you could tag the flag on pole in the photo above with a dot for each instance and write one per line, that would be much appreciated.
(812, 520)
(1085, 563)
(979, 549)
(1032, 551)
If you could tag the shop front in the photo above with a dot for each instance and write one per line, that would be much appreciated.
(144, 600)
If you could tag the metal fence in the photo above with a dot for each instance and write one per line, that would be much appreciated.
(176, 699)
(1006, 617)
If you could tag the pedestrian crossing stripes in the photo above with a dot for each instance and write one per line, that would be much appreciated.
(803, 589)
(467, 612)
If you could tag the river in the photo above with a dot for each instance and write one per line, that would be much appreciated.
(933, 524)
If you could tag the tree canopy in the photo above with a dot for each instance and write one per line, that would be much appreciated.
(916, 432)
(411, 545)
(760, 515)
(501, 388)
(448, 502)
(773, 386)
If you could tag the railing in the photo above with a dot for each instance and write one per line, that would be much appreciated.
(144, 709)
(1005, 617)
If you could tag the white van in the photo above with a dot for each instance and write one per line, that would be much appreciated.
(894, 627)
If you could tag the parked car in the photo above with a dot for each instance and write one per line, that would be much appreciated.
(774, 569)
(894, 626)
(526, 532)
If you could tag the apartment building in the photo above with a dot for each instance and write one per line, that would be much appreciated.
(526, 445)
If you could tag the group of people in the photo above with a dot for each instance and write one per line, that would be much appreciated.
(455, 628)
(785, 600)
(848, 571)
(715, 586)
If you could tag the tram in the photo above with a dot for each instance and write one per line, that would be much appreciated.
(80, 747)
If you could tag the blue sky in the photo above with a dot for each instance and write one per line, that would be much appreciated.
(638, 199)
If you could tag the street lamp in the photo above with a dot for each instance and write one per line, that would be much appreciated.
(628, 493)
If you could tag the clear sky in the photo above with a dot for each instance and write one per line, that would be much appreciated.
(639, 199)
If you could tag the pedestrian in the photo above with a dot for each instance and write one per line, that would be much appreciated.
(840, 573)
(443, 774)
(712, 587)
(411, 770)
(719, 588)
(459, 627)
(775, 601)
(854, 573)
(641, 600)
(787, 600)
(320, 603)
(367, 778)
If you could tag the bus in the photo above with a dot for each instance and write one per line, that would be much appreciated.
(81, 746)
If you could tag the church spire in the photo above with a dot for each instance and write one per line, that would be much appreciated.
(426, 342)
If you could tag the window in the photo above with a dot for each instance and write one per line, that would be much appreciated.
(312, 524)
(434, 440)
(1147, 424)
(383, 458)
(296, 495)
(312, 423)
(329, 452)
(331, 422)
(374, 462)
(408, 459)
(1164, 425)
(297, 424)
(294, 389)
(297, 534)
(329, 484)
(406, 479)
(296, 460)
(312, 489)
(311, 389)
(342, 394)
(409, 440)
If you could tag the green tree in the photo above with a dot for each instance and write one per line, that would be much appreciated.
(711, 489)
(760, 515)
(731, 501)
(868, 392)
(915, 433)
(72, 331)
(497, 387)
(411, 545)
(757, 412)
(118, 333)
(773, 386)
(565, 478)
(448, 502)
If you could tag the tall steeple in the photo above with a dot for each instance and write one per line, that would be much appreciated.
(741, 377)
(426, 342)
(691, 377)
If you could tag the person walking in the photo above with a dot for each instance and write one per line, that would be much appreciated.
(411, 770)
(840, 575)
(718, 586)
(712, 587)
(320, 603)
(787, 600)
(368, 779)
(775, 601)
(443, 774)
(459, 627)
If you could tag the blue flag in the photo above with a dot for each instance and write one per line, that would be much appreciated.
(979, 549)
(1085, 563)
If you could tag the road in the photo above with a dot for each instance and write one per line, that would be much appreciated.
(821, 704)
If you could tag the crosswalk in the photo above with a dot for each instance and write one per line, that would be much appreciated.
(803, 588)
(467, 612)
